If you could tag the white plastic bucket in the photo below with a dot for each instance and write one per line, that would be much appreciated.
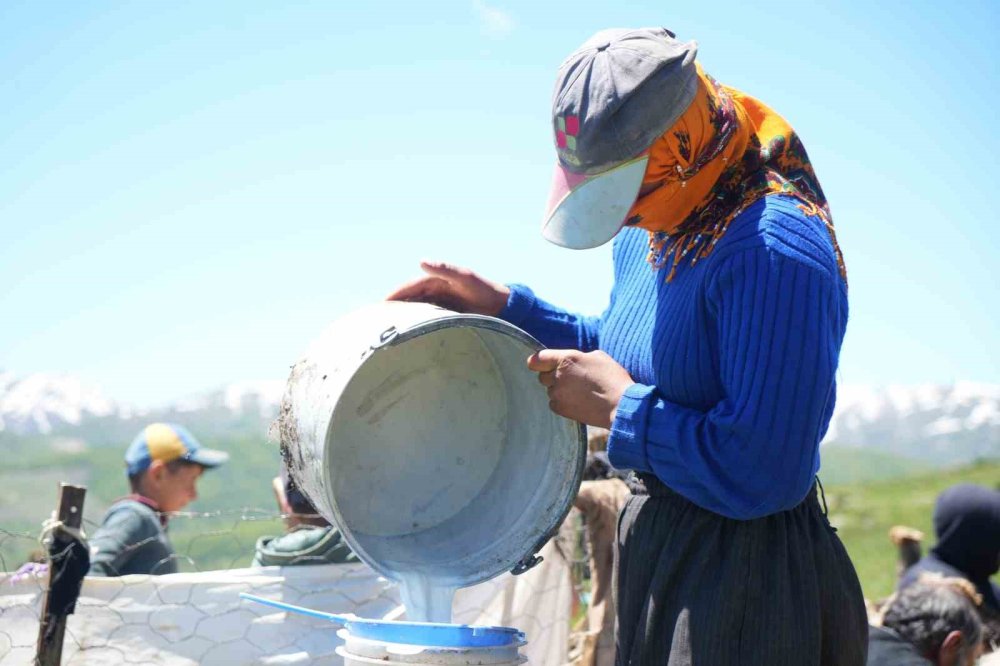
(361, 652)
(423, 436)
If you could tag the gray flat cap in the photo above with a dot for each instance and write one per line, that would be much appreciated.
(614, 96)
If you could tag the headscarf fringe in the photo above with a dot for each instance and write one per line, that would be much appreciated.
(755, 154)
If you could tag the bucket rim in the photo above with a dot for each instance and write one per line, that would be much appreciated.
(342, 651)
(450, 319)
(518, 639)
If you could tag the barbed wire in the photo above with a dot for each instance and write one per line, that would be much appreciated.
(6, 536)
(193, 616)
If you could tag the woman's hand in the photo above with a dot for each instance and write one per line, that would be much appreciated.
(582, 387)
(455, 288)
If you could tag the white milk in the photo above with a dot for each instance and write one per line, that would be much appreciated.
(424, 601)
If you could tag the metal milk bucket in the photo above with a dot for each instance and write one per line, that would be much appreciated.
(423, 436)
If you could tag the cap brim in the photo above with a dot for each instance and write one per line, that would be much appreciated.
(587, 211)
(208, 457)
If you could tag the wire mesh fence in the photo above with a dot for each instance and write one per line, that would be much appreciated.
(196, 616)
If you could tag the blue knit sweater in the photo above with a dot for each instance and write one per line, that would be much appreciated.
(734, 359)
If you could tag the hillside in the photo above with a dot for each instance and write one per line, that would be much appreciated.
(847, 464)
(235, 504)
(864, 512)
(239, 506)
(936, 423)
(888, 453)
(947, 424)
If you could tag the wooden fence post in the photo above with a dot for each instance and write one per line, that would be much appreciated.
(65, 576)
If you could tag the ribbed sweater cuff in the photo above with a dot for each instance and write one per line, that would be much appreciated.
(627, 441)
(520, 303)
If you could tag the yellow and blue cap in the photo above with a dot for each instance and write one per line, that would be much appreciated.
(168, 442)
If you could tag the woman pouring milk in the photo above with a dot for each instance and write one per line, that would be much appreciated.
(713, 366)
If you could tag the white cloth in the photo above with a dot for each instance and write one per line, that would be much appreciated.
(198, 618)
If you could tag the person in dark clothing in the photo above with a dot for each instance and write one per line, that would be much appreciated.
(967, 525)
(933, 621)
(163, 464)
(310, 538)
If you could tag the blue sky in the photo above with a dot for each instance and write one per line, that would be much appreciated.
(190, 191)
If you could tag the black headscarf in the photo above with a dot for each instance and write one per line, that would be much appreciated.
(967, 524)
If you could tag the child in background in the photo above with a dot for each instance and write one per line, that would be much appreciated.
(310, 538)
(163, 463)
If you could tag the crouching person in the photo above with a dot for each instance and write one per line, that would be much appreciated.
(933, 621)
(310, 539)
(163, 464)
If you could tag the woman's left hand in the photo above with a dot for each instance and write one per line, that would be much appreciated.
(582, 387)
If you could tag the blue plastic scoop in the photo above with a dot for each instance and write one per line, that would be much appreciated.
(430, 634)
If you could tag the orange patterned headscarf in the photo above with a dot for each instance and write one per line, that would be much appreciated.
(725, 152)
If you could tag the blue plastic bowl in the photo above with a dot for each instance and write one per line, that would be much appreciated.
(430, 634)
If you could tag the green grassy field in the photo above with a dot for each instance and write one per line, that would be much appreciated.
(235, 505)
(864, 512)
(867, 492)
(842, 465)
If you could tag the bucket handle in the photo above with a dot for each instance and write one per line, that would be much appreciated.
(527, 563)
(387, 336)
(531, 560)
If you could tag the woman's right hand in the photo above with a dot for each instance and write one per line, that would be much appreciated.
(455, 288)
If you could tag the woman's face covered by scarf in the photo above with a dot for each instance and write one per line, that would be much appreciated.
(687, 161)
(967, 523)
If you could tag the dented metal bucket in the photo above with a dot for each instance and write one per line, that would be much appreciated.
(423, 436)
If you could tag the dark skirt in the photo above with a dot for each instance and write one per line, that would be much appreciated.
(698, 589)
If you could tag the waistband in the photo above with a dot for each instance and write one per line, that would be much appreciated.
(641, 483)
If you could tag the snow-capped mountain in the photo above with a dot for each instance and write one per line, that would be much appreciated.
(260, 397)
(951, 424)
(40, 403)
(43, 404)
(947, 423)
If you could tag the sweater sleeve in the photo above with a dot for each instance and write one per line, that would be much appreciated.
(553, 327)
(780, 323)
